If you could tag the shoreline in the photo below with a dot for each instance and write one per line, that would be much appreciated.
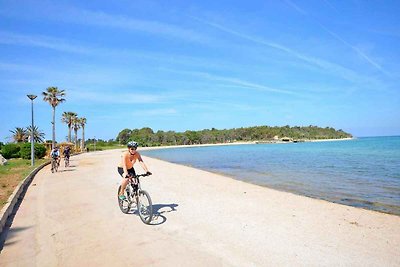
(282, 190)
(336, 197)
(246, 143)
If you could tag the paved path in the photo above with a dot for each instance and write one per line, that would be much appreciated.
(71, 218)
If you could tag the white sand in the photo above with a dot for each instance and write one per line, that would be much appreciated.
(71, 218)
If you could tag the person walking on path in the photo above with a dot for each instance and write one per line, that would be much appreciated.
(125, 167)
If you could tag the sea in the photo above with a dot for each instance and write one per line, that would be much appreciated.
(361, 172)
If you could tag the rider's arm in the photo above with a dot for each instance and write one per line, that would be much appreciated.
(142, 163)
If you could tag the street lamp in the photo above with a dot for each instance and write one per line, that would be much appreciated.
(32, 97)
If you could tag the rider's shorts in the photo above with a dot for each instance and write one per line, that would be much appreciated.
(131, 171)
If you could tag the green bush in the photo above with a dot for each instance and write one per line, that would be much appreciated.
(10, 151)
(40, 151)
(25, 152)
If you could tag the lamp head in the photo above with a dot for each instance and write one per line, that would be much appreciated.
(31, 97)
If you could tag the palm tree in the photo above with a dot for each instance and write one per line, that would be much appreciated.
(19, 135)
(54, 97)
(38, 136)
(67, 118)
(83, 123)
(76, 125)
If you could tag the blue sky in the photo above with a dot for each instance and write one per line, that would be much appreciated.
(192, 65)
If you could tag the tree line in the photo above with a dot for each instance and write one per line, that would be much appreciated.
(147, 137)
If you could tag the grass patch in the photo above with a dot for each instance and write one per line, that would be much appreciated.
(12, 174)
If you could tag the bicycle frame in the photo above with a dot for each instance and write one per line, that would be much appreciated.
(134, 185)
(135, 195)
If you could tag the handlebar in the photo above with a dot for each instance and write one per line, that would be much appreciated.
(139, 175)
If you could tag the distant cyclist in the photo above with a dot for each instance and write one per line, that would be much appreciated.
(67, 154)
(125, 167)
(55, 155)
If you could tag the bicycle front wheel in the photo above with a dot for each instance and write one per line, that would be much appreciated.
(144, 207)
(53, 166)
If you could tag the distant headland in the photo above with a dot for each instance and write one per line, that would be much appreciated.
(261, 134)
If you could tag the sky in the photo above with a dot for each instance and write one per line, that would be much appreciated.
(193, 65)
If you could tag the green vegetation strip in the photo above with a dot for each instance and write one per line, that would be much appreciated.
(12, 174)
(13, 184)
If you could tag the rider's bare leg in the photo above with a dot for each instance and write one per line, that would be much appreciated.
(124, 183)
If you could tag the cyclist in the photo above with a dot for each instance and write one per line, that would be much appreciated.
(125, 167)
(67, 153)
(55, 155)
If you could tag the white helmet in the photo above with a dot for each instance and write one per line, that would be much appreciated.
(132, 144)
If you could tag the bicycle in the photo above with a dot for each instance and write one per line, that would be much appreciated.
(136, 195)
(54, 165)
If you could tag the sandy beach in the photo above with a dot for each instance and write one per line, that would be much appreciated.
(71, 218)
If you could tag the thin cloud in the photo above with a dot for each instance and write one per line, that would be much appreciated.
(322, 64)
(86, 17)
(112, 97)
(41, 41)
(337, 37)
(62, 45)
(122, 22)
(358, 51)
(293, 5)
(235, 81)
(330, 5)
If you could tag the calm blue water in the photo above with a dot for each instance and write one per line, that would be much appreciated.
(363, 172)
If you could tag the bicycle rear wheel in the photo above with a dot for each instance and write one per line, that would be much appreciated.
(66, 161)
(144, 207)
(123, 204)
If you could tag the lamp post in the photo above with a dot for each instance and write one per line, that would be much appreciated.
(32, 97)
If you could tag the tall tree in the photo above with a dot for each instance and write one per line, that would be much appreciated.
(19, 135)
(38, 136)
(83, 124)
(124, 136)
(76, 125)
(54, 97)
(67, 118)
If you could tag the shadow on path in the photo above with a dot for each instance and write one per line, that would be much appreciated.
(159, 210)
(10, 233)
(67, 170)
